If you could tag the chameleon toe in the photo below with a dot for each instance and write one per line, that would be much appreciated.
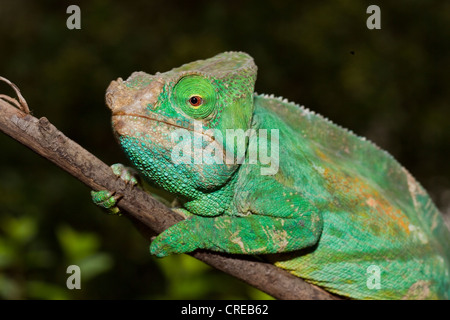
(105, 200)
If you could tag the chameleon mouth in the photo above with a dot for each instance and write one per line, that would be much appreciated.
(135, 115)
(119, 124)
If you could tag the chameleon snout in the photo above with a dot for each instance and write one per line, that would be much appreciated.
(131, 101)
(109, 96)
(125, 99)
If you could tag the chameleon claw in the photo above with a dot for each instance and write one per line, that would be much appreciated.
(106, 200)
(127, 174)
(175, 241)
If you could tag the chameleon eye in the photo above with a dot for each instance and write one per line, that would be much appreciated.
(196, 101)
(195, 96)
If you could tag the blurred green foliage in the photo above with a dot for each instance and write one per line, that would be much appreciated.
(389, 85)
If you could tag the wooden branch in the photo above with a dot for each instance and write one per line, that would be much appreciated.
(45, 139)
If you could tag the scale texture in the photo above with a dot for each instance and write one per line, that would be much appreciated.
(338, 211)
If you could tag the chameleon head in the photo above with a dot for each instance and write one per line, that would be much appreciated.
(157, 117)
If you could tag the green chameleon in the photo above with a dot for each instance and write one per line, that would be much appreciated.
(326, 205)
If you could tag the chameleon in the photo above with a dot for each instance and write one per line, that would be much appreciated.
(332, 207)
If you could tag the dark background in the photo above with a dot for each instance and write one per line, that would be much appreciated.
(390, 85)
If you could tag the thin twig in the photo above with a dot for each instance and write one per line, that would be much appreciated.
(22, 105)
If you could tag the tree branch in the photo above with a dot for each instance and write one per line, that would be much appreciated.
(45, 139)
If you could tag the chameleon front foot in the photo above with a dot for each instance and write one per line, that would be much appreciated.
(127, 174)
(107, 200)
(176, 239)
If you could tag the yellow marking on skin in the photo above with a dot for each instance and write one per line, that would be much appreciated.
(237, 240)
(362, 193)
(371, 202)
(413, 187)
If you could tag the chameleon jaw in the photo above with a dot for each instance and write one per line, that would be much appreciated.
(121, 120)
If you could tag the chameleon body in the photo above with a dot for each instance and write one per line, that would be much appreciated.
(338, 211)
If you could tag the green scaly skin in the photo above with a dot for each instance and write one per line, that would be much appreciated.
(336, 206)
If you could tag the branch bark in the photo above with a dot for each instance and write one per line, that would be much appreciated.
(45, 139)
